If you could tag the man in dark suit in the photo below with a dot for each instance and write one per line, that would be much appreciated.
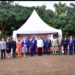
(32, 46)
(48, 45)
(70, 45)
(28, 41)
(13, 48)
(44, 47)
(74, 45)
(65, 45)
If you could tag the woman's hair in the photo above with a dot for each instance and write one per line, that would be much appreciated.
(18, 39)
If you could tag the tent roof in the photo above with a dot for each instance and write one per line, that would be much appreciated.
(35, 25)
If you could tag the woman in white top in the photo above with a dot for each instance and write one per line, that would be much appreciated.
(55, 45)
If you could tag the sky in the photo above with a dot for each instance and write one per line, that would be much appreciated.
(49, 4)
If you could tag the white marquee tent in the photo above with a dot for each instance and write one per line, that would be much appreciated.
(35, 25)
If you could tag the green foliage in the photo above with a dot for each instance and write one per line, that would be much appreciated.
(12, 17)
(65, 16)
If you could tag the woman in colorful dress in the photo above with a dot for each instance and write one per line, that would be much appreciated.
(19, 47)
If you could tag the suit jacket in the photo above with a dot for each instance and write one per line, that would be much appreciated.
(48, 43)
(28, 41)
(73, 41)
(13, 44)
(44, 41)
(32, 43)
(8, 45)
(65, 41)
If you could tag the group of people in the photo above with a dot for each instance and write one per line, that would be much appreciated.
(11, 48)
(33, 45)
(7, 48)
(68, 45)
(40, 45)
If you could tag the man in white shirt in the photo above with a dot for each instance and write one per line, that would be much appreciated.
(40, 45)
(3, 48)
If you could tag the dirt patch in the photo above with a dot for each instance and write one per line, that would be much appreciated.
(39, 65)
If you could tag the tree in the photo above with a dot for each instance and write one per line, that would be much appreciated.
(60, 9)
(61, 12)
